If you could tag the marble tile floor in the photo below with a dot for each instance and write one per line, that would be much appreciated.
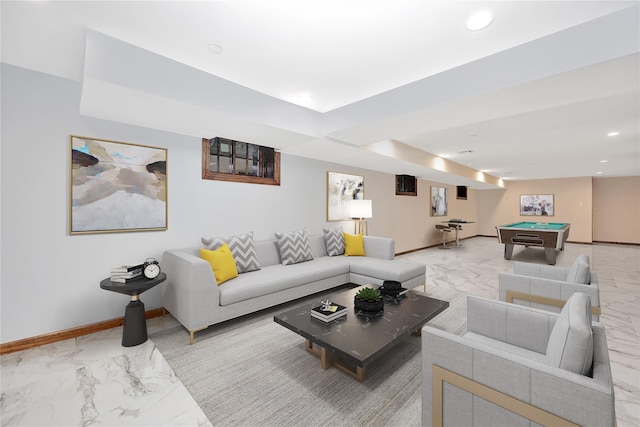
(93, 380)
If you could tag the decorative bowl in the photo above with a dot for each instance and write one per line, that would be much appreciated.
(391, 285)
(368, 305)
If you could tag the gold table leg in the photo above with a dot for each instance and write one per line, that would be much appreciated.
(326, 361)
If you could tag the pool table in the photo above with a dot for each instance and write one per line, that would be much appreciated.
(549, 235)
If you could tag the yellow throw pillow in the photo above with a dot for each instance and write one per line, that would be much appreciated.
(353, 245)
(222, 263)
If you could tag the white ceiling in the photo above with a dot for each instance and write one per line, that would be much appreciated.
(532, 96)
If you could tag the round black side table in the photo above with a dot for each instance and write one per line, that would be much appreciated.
(135, 323)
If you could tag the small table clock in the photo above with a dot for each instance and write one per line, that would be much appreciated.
(151, 268)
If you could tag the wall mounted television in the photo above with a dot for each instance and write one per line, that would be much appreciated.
(461, 192)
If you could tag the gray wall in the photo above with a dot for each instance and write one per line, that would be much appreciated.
(49, 280)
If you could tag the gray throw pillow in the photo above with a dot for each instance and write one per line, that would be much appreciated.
(334, 241)
(242, 247)
(580, 271)
(294, 247)
(570, 344)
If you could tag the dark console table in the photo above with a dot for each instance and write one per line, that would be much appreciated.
(135, 322)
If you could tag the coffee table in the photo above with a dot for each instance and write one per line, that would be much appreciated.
(353, 342)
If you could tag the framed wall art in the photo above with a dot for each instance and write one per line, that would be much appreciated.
(341, 189)
(439, 202)
(116, 186)
(536, 204)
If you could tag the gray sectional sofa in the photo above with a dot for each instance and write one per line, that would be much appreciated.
(193, 297)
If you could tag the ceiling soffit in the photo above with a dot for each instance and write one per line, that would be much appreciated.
(125, 83)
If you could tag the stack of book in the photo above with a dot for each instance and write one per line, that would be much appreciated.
(335, 312)
(393, 293)
(126, 273)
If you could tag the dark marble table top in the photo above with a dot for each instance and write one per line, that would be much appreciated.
(132, 288)
(358, 338)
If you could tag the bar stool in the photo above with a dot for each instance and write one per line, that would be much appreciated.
(445, 229)
(456, 226)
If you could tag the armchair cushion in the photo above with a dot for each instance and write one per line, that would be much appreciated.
(515, 325)
(580, 271)
(570, 344)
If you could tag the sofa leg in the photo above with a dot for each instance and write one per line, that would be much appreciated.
(192, 333)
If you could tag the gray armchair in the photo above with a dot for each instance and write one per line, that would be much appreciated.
(518, 366)
(548, 287)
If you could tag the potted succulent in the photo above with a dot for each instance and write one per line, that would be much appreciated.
(368, 299)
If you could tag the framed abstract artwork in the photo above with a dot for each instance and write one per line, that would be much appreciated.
(536, 204)
(116, 186)
(439, 202)
(341, 189)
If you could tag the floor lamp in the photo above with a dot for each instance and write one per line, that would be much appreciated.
(359, 210)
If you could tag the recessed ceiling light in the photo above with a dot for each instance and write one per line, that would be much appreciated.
(603, 161)
(215, 48)
(479, 20)
(599, 173)
(304, 99)
(614, 133)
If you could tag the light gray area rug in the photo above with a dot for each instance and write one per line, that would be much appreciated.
(258, 373)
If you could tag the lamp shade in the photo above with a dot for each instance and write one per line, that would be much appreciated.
(361, 209)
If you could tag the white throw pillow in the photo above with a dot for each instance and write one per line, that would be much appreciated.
(570, 344)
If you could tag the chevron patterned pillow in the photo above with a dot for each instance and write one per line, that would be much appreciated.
(294, 247)
(242, 248)
(334, 241)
